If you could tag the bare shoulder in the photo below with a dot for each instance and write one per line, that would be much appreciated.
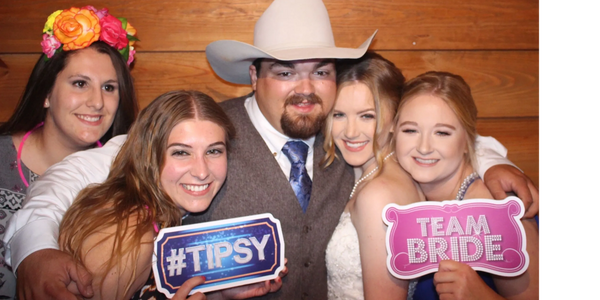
(393, 185)
(134, 268)
(478, 190)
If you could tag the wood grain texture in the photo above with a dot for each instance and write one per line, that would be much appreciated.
(492, 44)
(504, 83)
(521, 137)
(190, 25)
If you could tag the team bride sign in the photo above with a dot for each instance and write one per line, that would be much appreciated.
(485, 234)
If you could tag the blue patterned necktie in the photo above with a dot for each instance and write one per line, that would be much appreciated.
(296, 152)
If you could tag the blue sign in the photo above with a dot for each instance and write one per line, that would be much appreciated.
(228, 253)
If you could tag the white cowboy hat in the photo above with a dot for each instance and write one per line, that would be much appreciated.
(287, 30)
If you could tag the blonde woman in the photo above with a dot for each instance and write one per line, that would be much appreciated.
(360, 126)
(435, 143)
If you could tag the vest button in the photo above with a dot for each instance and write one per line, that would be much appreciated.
(307, 229)
(307, 264)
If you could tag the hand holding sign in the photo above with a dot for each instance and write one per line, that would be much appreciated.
(187, 287)
(456, 280)
(485, 234)
(229, 253)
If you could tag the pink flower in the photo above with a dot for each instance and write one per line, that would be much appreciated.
(99, 13)
(131, 54)
(113, 33)
(49, 45)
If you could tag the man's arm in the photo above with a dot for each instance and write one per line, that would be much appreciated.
(35, 226)
(502, 176)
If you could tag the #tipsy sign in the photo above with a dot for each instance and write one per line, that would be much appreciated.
(485, 234)
(228, 253)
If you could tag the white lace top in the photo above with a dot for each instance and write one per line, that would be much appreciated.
(344, 273)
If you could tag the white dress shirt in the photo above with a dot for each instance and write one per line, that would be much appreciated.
(275, 139)
(35, 226)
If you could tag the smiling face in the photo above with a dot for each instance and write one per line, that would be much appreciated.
(354, 123)
(295, 96)
(431, 143)
(195, 164)
(84, 99)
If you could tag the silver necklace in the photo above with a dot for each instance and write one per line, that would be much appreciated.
(363, 178)
(465, 185)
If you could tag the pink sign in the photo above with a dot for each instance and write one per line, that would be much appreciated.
(485, 234)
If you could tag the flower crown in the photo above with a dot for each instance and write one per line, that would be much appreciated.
(77, 28)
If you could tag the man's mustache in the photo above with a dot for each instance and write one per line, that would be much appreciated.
(297, 99)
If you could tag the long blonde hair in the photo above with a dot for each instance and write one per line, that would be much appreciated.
(133, 184)
(385, 81)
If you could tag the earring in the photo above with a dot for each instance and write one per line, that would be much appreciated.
(46, 103)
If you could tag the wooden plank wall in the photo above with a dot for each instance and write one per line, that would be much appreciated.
(492, 44)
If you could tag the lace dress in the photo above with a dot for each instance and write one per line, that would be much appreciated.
(344, 273)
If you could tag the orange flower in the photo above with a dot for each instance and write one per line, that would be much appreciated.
(76, 28)
(130, 31)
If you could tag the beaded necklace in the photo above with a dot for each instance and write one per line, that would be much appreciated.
(21, 150)
(367, 176)
(465, 185)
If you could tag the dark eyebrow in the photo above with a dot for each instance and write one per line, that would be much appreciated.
(219, 143)
(291, 65)
(280, 63)
(80, 75)
(179, 145)
(325, 62)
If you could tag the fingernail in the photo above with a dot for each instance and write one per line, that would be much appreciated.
(89, 291)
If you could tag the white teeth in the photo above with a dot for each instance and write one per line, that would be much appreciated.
(88, 118)
(426, 161)
(195, 188)
(356, 145)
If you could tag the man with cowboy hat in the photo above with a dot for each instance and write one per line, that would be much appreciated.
(273, 162)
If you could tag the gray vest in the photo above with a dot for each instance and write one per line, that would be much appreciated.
(255, 184)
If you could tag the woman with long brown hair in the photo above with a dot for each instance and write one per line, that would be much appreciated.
(173, 162)
(79, 95)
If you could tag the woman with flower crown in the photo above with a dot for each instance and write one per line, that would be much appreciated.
(79, 95)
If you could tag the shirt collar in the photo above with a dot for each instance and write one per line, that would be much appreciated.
(273, 138)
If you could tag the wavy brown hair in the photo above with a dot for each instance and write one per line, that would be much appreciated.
(133, 185)
(385, 81)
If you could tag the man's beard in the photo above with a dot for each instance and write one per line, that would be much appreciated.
(302, 126)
